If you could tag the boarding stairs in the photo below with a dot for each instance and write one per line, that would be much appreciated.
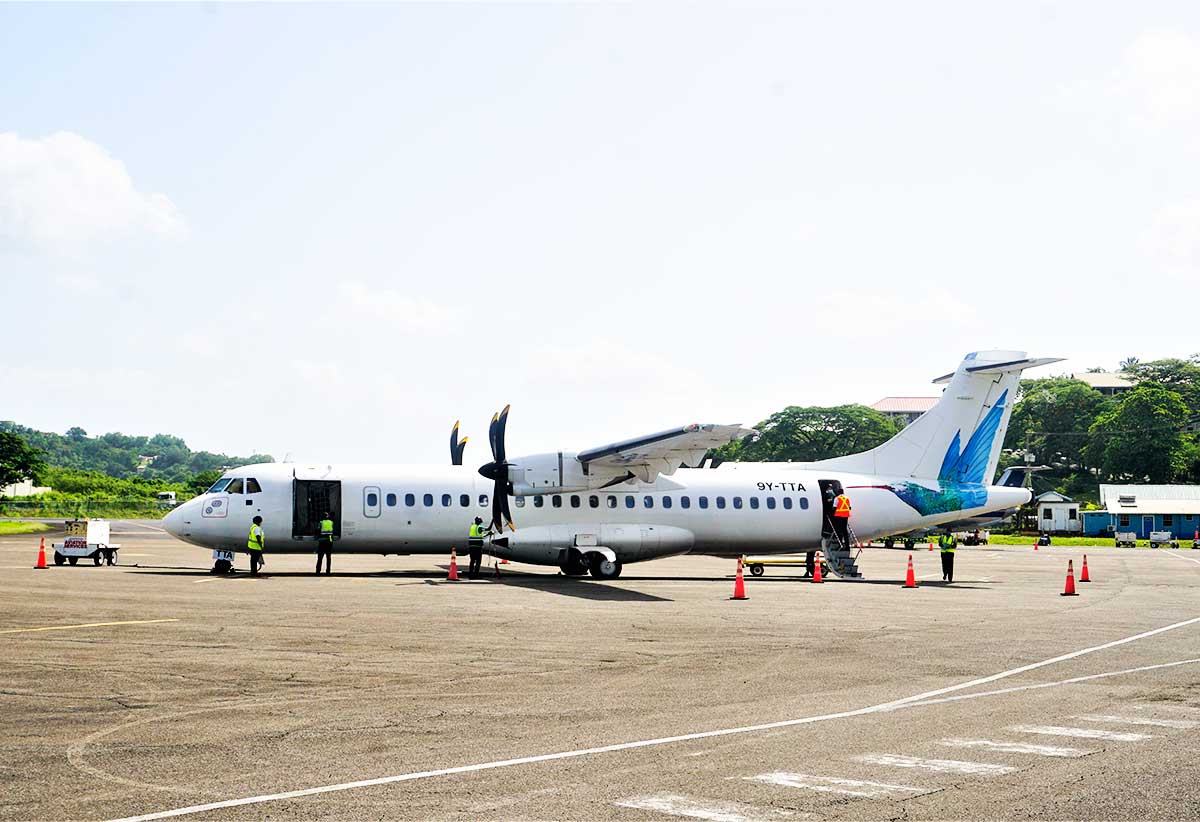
(842, 559)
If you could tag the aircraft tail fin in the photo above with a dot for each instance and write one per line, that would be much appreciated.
(975, 406)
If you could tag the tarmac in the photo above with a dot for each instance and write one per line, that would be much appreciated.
(153, 689)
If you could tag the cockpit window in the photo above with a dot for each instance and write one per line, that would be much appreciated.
(219, 485)
(252, 486)
(235, 487)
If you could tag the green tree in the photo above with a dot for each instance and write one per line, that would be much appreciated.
(1052, 418)
(1180, 376)
(18, 460)
(806, 434)
(1143, 436)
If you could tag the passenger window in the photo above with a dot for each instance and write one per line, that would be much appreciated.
(539, 501)
(410, 500)
(556, 501)
(612, 501)
(483, 500)
(771, 503)
(391, 500)
(648, 502)
(685, 502)
(804, 503)
(372, 499)
(787, 502)
(666, 502)
(703, 502)
(574, 500)
(720, 502)
(629, 502)
(445, 500)
(594, 501)
(754, 503)
(252, 486)
(465, 500)
(737, 502)
(235, 487)
(520, 502)
(428, 500)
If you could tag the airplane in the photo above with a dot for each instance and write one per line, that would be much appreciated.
(597, 510)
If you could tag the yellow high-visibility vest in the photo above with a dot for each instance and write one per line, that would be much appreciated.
(476, 531)
(326, 527)
(256, 540)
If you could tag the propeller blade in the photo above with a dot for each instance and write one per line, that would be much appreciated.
(492, 436)
(456, 446)
(504, 510)
(499, 498)
(501, 424)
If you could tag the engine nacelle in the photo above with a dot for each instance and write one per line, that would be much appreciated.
(549, 544)
(547, 474)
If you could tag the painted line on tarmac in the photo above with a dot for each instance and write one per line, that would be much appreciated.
(1080, 733)
(936, 765)
(675, 805)
(1015, 747)
(1178, 724)
(86, 625)
(832, 784)
(140, 525)
(927, 698)
(1185, 559)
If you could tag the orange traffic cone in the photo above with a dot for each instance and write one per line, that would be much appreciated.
(739, 584)
(1035, 542)
(41, 563)
(1083, 572)
(817, 569)
(503, 561)
(910, 579)
(453, 564)
(1069, 591)
(930, 545)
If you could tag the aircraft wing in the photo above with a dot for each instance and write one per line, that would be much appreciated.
(661, 453)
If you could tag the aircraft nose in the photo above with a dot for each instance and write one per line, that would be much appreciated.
(173, 521)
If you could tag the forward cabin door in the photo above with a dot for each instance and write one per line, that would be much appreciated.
(311, 499)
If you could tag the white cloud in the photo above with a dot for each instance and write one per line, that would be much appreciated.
(1173, 239)
(400, 312)
(1160, 73)
(63, 190)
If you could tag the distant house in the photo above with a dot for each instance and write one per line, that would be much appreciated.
(1058, 514)
(1107, 383)
(25, 488)
(1146, 508)
(905, 409)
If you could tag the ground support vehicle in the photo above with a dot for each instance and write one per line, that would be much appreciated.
(757, 565)
(1125, 539)
(1163, 539)
(973, 537)
(86, 539)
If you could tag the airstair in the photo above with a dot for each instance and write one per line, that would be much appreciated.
(842, 559)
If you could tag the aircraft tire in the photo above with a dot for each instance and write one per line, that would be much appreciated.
(59, 559)
(576, 565)
(602, 568)
(757, 570)
(72, 560)
(222, 566)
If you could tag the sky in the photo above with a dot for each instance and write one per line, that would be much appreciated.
(329, 231)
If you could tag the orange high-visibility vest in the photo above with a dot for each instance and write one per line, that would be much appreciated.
(841, 506)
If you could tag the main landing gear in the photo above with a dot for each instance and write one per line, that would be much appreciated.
(604, 568)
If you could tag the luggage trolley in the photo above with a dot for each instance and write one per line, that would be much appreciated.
(86, 539)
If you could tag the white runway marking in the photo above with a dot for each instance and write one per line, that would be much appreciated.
(85, 625)
(831, 784)
(1189, 559)
(927, 698)
(1180, 724)
(935, 765)
(1080, 733)
(673, 805)
(1015, 747)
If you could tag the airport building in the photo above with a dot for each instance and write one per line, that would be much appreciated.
(1058, 514)
(904, 409)
(1146, 508)
(24, 488)
(1108, 383)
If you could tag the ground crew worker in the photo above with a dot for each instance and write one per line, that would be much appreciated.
(810, 564)
(947, 542)
(254, 544)
(475, 547)
(325, 543)
(841, 519)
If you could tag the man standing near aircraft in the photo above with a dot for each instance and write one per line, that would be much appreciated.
(475, 547)
(254, 544)
(841, 519)
(947, 543)
(325, 543)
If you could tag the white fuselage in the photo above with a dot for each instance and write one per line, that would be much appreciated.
(398, 509)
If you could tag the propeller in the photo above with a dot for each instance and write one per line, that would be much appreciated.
(497, 471)
(456, 446)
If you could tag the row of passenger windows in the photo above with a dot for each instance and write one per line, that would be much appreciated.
(593, 500)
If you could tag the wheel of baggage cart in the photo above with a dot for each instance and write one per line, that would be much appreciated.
(757, 570)
(59, 559)
(72, 560)
(96, 558)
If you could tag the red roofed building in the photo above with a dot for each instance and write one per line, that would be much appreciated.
(905, 409)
